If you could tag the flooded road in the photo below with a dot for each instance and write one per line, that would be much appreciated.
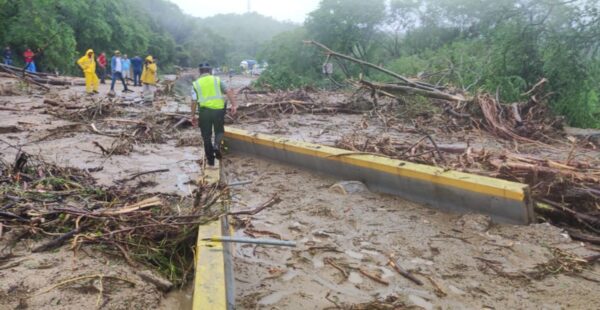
(346, 238)
(346, 243)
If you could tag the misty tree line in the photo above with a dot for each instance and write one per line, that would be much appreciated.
(65, 29)
(503, 47)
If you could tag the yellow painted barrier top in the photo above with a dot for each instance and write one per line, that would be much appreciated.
(209, 283)
(210, 291)
(465, 181)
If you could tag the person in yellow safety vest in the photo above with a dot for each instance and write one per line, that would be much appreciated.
(88, 65)
(149, 79)
(207, 96)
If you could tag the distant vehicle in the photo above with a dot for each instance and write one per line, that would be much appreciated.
(247, 66)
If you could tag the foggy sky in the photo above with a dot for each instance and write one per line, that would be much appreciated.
(293, 10)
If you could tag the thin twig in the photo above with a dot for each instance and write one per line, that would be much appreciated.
(65, 282)
(137, 175)
(373, 277)
(273, 201)
(403, 272)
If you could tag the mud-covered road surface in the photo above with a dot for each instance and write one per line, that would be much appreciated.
(464, 262)
(32, 280)
(346, 234)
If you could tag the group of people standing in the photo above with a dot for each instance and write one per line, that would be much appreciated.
(120, 67)
(208, 91)
(28, 56)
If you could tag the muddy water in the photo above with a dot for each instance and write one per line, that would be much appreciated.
(473, 263)
(181, 299)
(181, 162)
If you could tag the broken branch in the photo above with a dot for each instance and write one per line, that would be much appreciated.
(273, 201)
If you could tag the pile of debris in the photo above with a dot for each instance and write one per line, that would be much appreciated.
(41, 199)
(524, 122)
(262, 104)
(566, 191)
(78, 108)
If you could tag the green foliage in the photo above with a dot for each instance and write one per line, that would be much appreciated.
(35, 27)
(410, 65)
(504, 48)
(282, 77)
(291, 63)
(245, 34)
(348, 26)
(576, 85)
(180, 39)
(525, 41)
(66, 29)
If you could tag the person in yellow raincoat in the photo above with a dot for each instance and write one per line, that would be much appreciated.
(88, 65)
(149, 79)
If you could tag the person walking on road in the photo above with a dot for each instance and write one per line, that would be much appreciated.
(88, 65)
(149, 79)
(231, 72)
(102, 67)
(116, 67)
(7, 56)
(137, 66)
(29, 63)
(208, 99)
(126, 68)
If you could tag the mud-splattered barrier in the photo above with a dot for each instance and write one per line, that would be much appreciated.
(503, 201)
(214, 281)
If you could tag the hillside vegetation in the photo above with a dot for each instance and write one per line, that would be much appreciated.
(66, 29)
(504, 48)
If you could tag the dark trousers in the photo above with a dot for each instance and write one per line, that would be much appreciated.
(136, 78)
(210, 119)
(115, 76)
(101, 74)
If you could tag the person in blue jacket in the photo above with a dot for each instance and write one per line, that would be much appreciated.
(116, 67)
(137, 66)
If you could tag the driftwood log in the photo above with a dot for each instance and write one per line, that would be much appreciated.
(23, 77)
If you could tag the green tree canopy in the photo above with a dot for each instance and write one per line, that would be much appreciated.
(66, 29)
(348, 26)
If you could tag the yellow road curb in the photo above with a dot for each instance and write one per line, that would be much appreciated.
(210, 284)
(471, 182)
(449, 190)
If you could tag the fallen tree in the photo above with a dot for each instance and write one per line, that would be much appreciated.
(482, 110)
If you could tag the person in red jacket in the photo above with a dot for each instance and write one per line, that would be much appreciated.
(29, 64)
(102, 67)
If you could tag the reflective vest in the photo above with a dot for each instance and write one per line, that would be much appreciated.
(208, 93)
